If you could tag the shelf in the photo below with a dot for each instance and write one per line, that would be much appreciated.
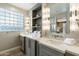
(63, 21)
(60, 34)
(35, 26)
(37, 17)
(77, 21)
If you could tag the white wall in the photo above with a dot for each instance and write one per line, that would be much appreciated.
(9, 40)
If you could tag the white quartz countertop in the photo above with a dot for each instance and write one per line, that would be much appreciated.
(29, 36)
(73, 50)
(60, 46)
(57, 45)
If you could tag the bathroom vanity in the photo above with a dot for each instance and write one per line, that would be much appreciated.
(46, 47)
(56, 47)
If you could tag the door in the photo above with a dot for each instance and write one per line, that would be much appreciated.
(27, 47)
(32, 47)
(22, 43)
(48, 51)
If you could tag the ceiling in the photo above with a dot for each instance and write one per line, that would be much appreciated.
(25, 6)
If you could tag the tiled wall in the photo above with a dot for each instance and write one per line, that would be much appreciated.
(45, 20)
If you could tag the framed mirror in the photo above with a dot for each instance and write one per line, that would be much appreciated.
(59, 16)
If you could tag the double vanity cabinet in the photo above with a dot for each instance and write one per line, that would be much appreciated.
(33, 47)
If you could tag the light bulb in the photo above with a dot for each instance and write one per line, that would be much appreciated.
(27, 18)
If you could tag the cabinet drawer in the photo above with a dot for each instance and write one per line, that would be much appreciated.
(49, 51)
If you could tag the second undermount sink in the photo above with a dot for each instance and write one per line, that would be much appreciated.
(57, 42)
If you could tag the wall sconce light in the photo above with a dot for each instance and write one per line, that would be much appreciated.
(46, 16)
(27, 18)
(46, 12)
(74, 17)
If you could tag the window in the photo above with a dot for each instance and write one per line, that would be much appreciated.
(10, 20)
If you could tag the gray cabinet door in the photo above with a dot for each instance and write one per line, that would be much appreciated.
(27, 46)
(22, 40)
(32, 47)
(47, 51)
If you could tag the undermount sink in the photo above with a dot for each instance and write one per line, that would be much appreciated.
(57, 42)
(54, 41)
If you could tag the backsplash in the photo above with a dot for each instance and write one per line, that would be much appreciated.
(75, 35)
(45, 33)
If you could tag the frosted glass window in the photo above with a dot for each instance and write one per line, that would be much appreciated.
(2, 13)
(7, 21)
(7, 14)
(7, 18)
(10, 20)
(7, 11)
(11, 15)
(2, 17)
(2, 21)
(15, 16)
(2, 9)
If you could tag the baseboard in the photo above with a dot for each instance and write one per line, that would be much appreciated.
(11, 51)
